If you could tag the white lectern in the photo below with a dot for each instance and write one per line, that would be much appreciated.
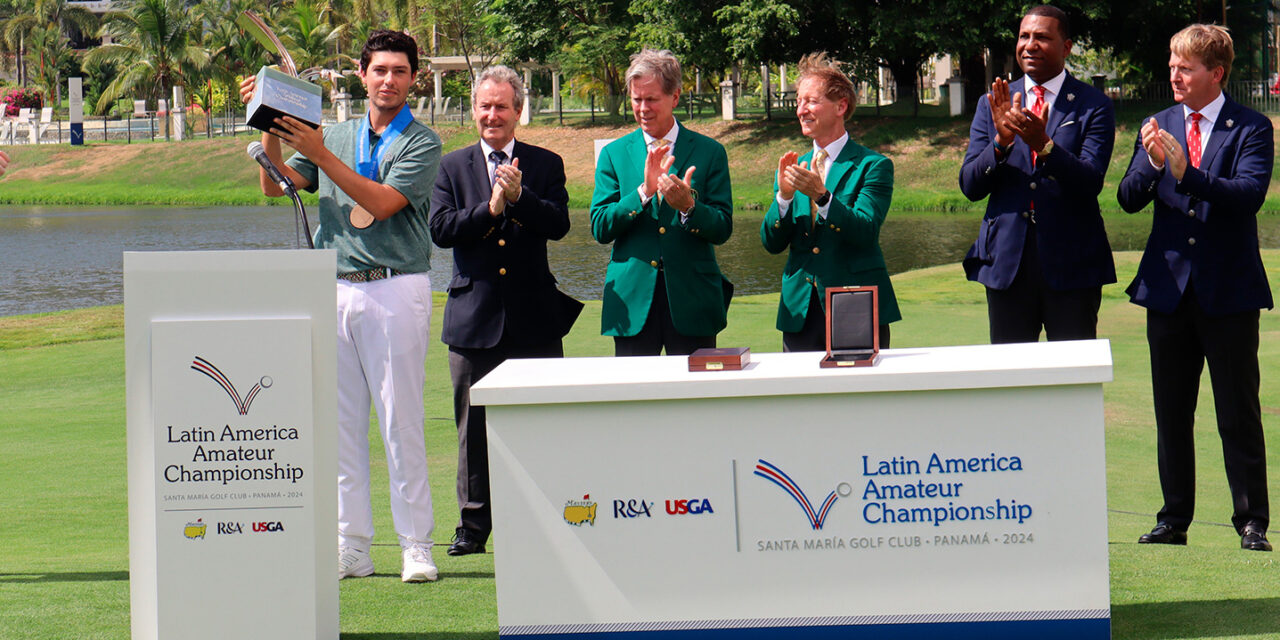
(230, 379)
(954, 492)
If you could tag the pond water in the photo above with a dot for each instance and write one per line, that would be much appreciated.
(67, 258)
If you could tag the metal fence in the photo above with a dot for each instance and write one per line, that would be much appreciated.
(1258, 95)
(1263, 96)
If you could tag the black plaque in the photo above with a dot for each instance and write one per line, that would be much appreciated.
(853, 327)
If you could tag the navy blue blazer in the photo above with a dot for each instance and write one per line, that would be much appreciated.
(1205, 228)
(501, 282)
(1072, 242)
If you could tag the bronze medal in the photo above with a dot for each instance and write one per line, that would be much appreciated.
(360, 218)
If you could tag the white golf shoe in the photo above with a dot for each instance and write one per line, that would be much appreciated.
(418, 565)
(354, 563)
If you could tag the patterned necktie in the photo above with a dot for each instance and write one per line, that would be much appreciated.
(819, 167)
(1038, 108)
(1193, 139)
(498, 157)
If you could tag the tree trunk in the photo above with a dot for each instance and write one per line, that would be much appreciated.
(973, 70)
(904, 78)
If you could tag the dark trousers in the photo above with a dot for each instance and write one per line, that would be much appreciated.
(1180, 343)
(813, 335)
(659, 332)
(1016, 314)
(466, 367)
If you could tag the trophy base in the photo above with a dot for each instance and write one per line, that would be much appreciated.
(279, 94)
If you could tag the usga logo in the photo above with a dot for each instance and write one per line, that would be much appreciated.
(693, 506)
(268, 527)
(578, 512)
(195, 529)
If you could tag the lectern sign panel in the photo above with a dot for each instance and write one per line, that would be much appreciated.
(234, 438)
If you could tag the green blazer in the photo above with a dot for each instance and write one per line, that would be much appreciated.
(845, 249)
(651, 236)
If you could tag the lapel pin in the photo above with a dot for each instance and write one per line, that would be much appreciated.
(1230, 123)
(1071, 97)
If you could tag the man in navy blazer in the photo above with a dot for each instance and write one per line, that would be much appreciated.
(1042, 250)
(496, 204)
(1206, 164)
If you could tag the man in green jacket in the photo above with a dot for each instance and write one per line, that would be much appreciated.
(663, 198)
(828, 209)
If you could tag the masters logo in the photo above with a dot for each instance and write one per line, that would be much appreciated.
(577, 512)
(195, 529)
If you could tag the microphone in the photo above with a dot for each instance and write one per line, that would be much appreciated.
(258, 153)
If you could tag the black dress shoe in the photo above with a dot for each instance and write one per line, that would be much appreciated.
(1254, 538)
(1164, 533)
(465, 542)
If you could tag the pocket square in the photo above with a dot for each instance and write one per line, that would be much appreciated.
(1067, 123)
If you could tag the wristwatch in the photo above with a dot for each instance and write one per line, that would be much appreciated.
(823, 199)
(1048, 148)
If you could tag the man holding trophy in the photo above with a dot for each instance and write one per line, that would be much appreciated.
(375, 176)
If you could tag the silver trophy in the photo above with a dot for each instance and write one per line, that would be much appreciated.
(279, 92)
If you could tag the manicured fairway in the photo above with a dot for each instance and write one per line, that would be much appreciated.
(63, 511)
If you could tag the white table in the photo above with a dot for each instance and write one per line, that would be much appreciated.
(957, 491)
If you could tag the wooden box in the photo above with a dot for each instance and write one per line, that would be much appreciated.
(722, 359)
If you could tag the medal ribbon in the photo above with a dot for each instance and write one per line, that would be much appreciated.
(368, 160)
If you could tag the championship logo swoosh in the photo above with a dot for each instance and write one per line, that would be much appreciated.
(215, 374)
(816, 515)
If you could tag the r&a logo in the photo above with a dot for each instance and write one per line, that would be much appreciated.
(229, 528)
(631, 509)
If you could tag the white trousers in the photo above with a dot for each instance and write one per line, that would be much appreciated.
(383, 329)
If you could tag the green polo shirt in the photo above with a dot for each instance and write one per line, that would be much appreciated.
(403, 241)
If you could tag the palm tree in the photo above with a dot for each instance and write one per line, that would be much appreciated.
(232, 54)
(49, 49)
(305, 32)
(43, 14)
(155, 46)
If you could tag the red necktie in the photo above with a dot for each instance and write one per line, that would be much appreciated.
(1193, 140)
(1038, 109)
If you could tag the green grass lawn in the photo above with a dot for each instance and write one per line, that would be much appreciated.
(926, 151)
(63, 511)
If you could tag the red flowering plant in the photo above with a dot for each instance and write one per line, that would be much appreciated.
(21, 97)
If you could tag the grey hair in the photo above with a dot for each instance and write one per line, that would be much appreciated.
(660, 64)
(501, 73)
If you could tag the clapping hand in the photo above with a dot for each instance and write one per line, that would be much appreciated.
(656, 164)
(804, 180)
(677, 191)
(785, 188)
(508, 176)
(1000, 108)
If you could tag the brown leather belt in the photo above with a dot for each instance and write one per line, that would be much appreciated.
(369, 275)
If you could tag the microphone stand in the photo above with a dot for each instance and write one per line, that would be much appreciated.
(299, 211)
